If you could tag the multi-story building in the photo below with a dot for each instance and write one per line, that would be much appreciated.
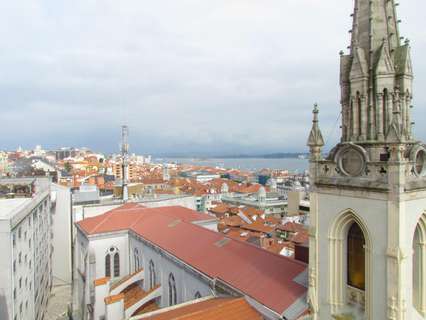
(270, 202)
(25, 244)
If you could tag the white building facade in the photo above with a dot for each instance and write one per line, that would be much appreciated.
(368, 200)
(25, 243)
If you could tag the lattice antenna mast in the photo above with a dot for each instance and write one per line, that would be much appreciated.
(125, 161)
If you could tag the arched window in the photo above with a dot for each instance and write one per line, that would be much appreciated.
(356, 257)
(152, 280)
(112, 258)
(108, 265)
(136, 259)
(116, 264)
(419, 276)
(197, 295)
(172, 290)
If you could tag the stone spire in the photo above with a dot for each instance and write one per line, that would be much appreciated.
(373, 22)
(377, 65)
(315, 140)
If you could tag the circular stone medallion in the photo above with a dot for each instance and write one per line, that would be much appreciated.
(352, 162)
(420, 162)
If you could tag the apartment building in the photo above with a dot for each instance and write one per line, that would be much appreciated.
(25, 243)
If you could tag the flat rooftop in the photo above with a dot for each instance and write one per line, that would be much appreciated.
(9, 206)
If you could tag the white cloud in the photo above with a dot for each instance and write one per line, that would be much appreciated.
(188, 74)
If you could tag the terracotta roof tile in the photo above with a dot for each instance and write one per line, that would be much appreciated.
(235, 262)
(101, 281)
(113, 299)
(292, 227)
(258, 226)
(135, 293)
(213, 309)
(125, 216)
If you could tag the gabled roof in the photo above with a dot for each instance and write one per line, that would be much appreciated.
(266, 277)
(124, 217)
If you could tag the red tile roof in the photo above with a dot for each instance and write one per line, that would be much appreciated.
(101, 281)
(258, 226)
(234, 262)
(213, 309)
(292, 227)
(128, 215)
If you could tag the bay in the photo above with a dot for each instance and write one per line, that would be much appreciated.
(293, 165)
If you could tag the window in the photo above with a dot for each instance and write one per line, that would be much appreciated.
(20, 283)
(14, 240)
(112, 258)
(14, 266)
(108, 265)
(419, 278)
(14, 293)
(152, 280)
(19, 232)
(116, 265)
(20, 257)
(356, 257)
(136, 259)
(172, 290)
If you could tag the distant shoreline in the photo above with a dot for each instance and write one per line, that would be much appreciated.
(301, 156)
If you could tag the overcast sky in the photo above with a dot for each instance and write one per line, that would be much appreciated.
(186, 75)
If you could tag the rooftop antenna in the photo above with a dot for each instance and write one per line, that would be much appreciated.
(125, 159)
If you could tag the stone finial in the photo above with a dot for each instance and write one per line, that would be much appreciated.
(315, 140)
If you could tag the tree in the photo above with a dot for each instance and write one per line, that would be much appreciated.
(67, 167)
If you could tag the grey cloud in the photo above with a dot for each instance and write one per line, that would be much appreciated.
(226, 75)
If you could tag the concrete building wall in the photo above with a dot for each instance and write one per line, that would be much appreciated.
(6, 276)
(187, 283)
(100, 247)
(294, 199)
(61, 227)
(25, 263)
(374, 213)
(187, 202)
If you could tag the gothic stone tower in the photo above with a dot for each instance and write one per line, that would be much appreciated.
(368, 200)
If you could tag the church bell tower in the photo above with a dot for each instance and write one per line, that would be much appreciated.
(368, 197)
